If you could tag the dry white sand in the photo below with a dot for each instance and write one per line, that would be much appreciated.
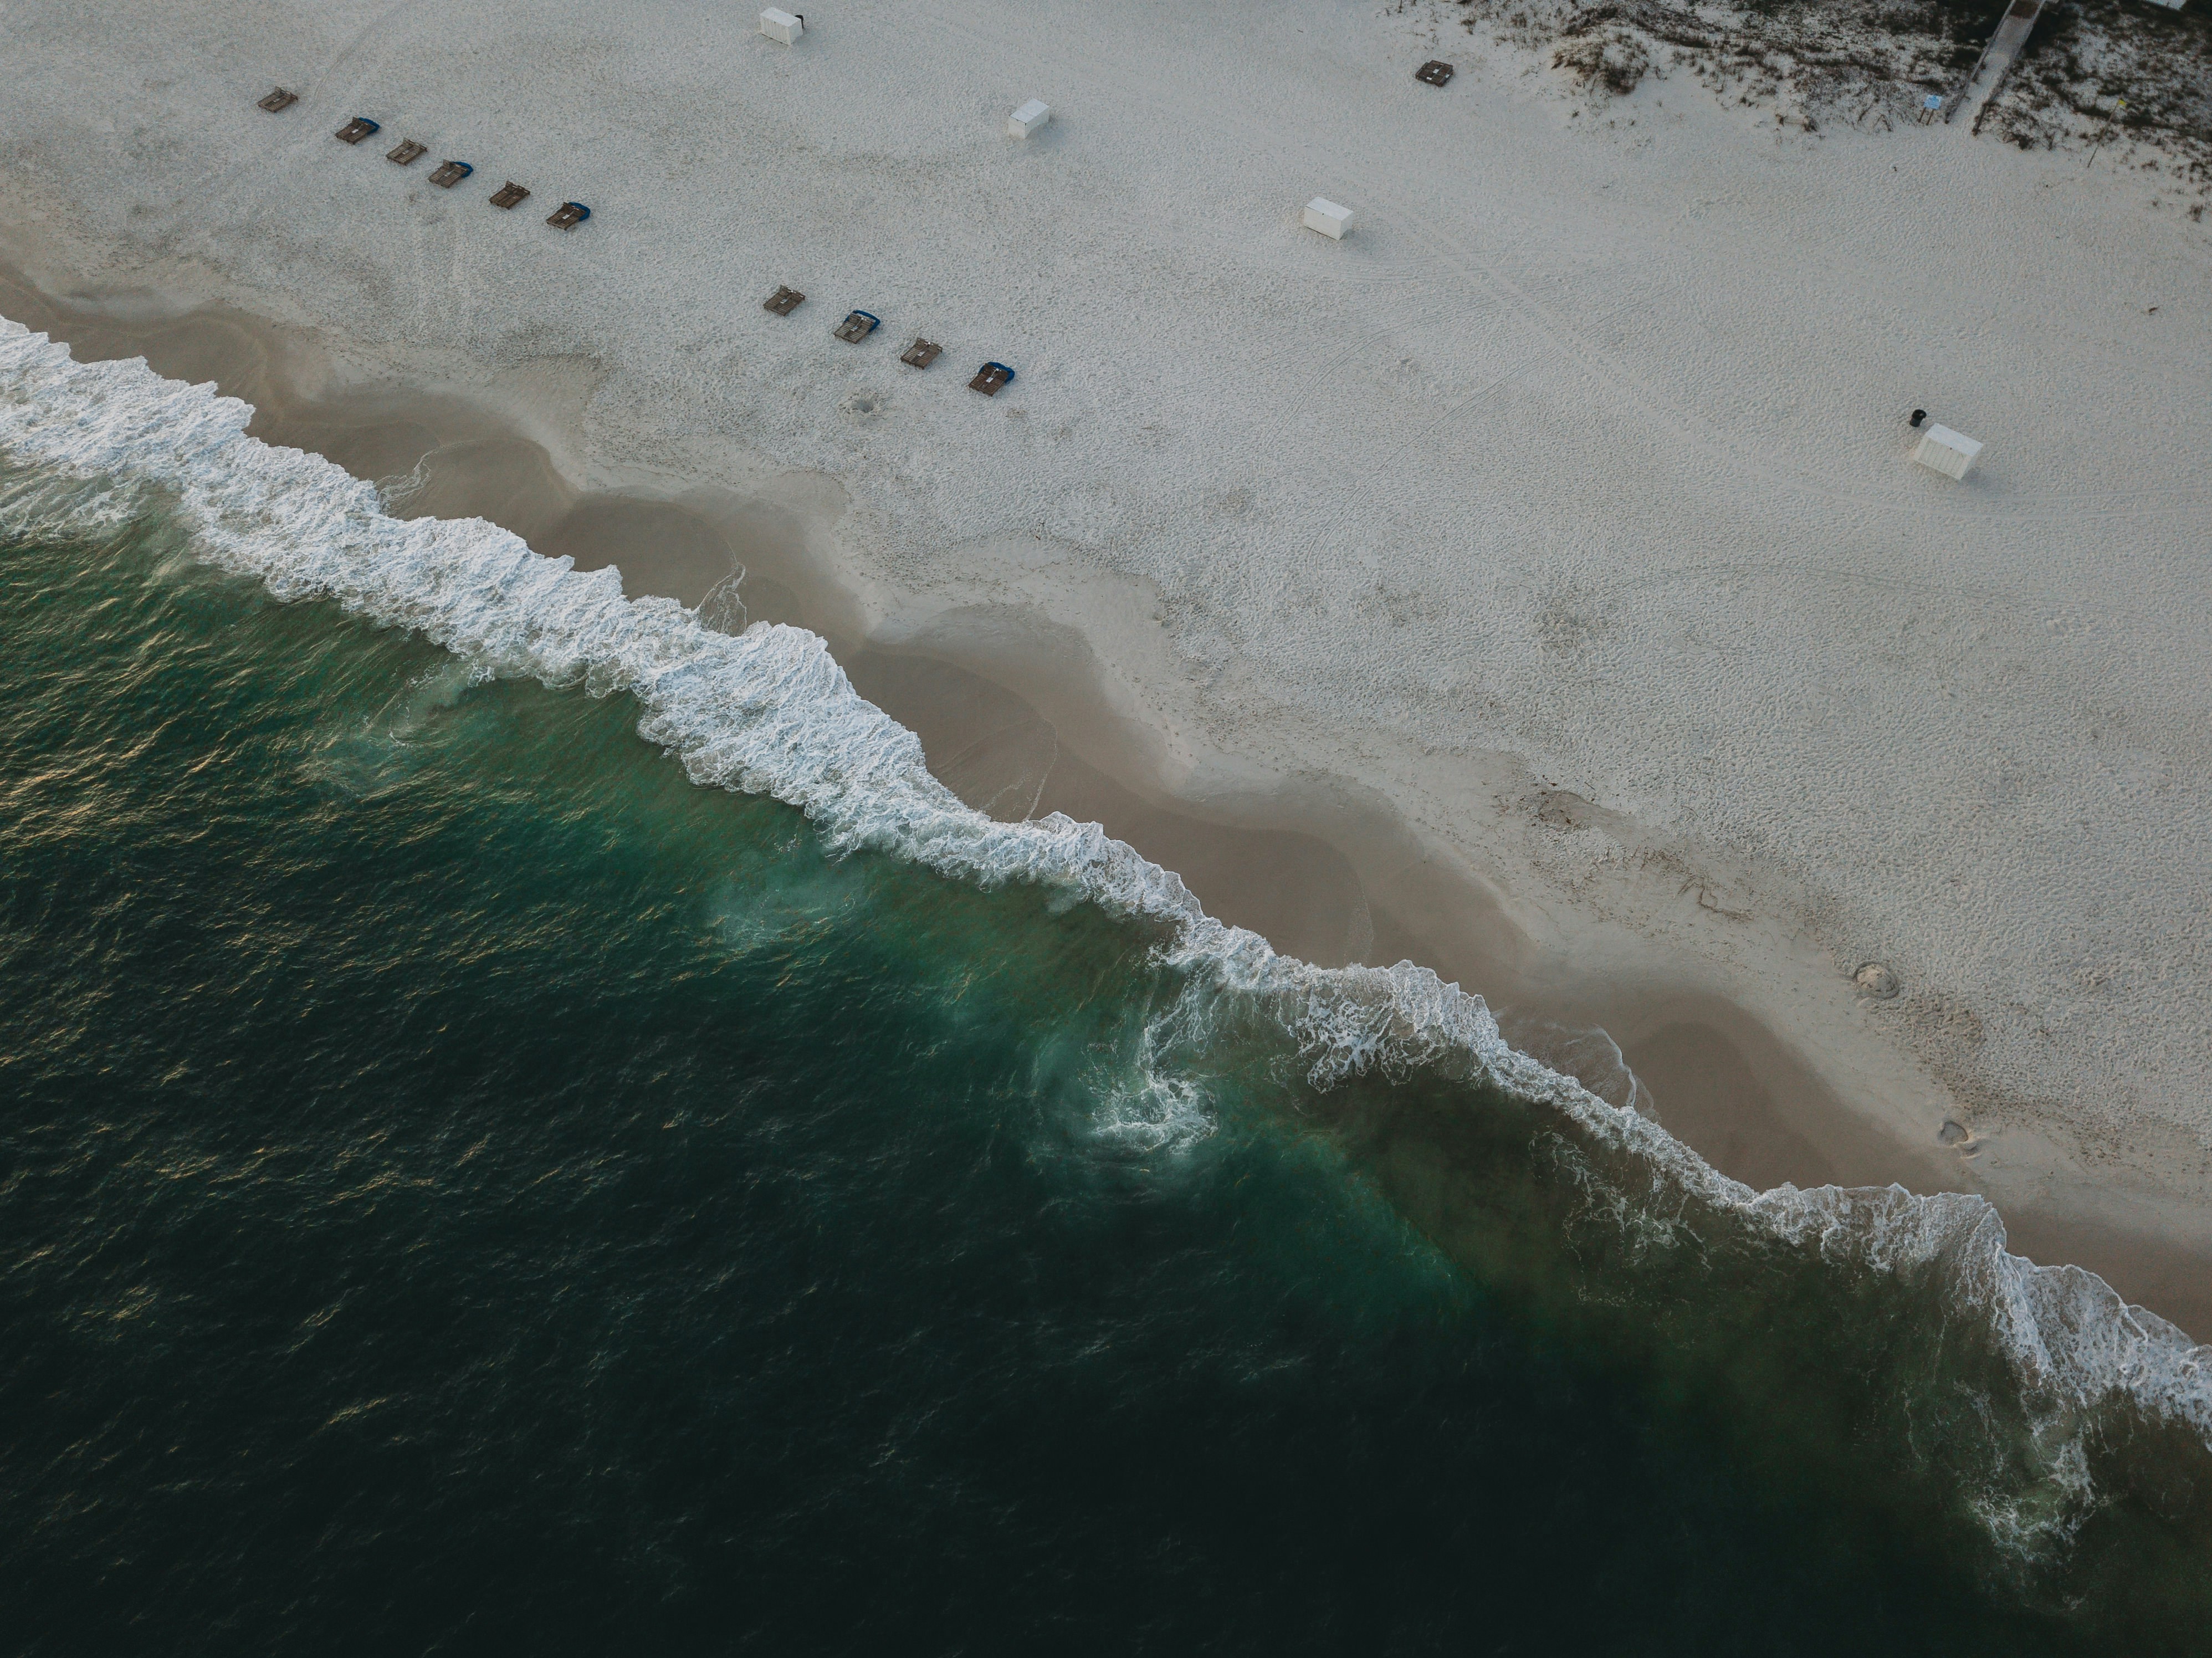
(1559, 521)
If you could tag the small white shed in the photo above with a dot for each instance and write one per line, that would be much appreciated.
(1326, 217)
(1028, 118)
(783, 26)
(1941, 450)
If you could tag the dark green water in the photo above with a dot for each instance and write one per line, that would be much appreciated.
(465, 1189)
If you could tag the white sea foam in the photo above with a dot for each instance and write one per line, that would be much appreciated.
(769, 712)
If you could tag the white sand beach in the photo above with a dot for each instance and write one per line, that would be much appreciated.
(1534, 583)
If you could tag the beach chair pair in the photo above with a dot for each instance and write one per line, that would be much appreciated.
(406, 153)
(567, 217)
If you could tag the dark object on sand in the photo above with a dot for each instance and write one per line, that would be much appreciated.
(922, 353)
(1876, 981)
(408, 153)
(450, 174)
(509, 194)
(857, 326)
(279, 101)
(1435, 72)
(568, 215)
(1918, 415)
(784, 302)
(357, 129)
(990, 377)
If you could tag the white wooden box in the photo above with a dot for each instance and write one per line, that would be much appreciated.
(1028, 118)
(1326, 217)
(782, 26)
(1941, 450)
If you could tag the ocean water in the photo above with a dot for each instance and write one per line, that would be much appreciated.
(530, 1125)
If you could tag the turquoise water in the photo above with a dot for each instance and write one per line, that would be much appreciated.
(465, 1187)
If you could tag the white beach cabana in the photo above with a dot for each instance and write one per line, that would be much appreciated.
(1326, 217)
(783, 26)
(1941, 450)
(1028, 118)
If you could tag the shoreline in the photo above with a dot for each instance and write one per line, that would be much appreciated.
(1533, 585)
(1321, 872)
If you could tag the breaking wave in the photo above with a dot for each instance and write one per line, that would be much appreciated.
(769, 712)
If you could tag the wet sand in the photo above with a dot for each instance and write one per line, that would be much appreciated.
(1011, 718)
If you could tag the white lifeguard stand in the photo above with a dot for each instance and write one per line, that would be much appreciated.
(784, 26)
(1028, 118)
(1941, 450)
(1326, 217)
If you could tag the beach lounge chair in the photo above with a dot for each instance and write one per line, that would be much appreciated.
(784, 302)
(568, 215)
(509, 194)
(990, 377)
(1435, 72)
(357, 129)
(922, 353)
(450, 174)
(408, 153)
(857, 326)
(279, 101)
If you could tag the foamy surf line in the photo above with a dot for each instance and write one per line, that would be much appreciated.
(769, 712)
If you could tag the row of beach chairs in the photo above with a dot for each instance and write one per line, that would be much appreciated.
(445, 175)
(859, 324)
